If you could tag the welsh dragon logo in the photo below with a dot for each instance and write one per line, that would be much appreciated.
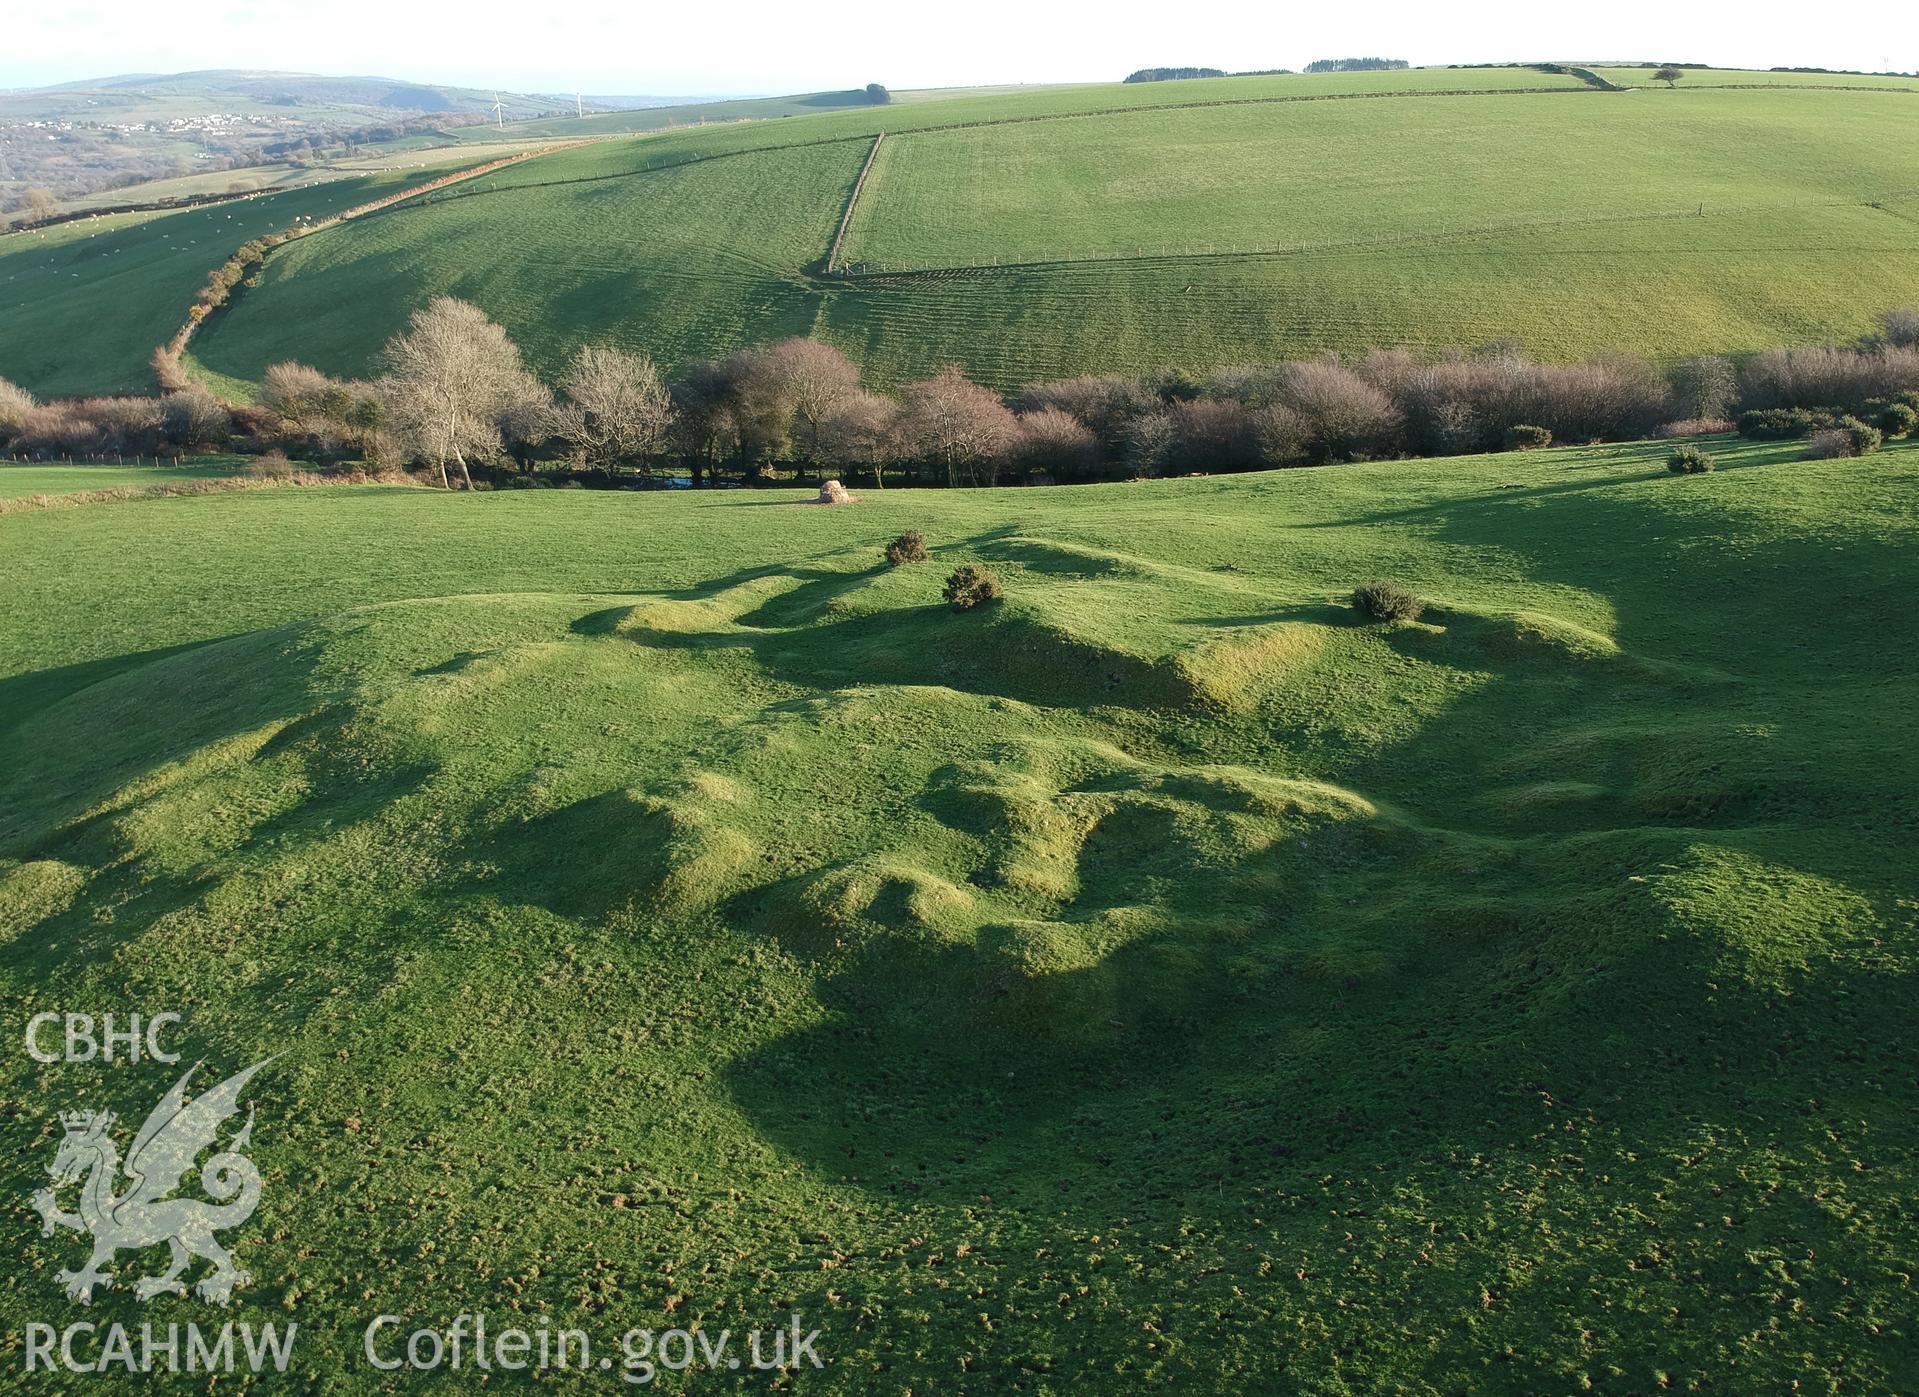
(143, 1215)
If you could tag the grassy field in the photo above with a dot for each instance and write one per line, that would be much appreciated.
(1118, 227)
(670, 916)
(83, 304)
(1737, 77)
(911, 109)
(1730, 221)
(1317, 176)
(18, 481)
(691, 259)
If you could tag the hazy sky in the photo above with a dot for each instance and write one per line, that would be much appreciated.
(766, 46)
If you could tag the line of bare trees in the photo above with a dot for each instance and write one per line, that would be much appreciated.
(455, 395)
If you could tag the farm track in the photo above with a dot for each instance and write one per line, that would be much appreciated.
(184, 335)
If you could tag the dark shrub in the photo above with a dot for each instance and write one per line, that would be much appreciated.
(1525, 437)
(1689, 460)
(1386, 601)
(1898, 420)
(971, 585)
(1216, 435)
(1863, 440)
(1174, 386)
(1782, 423)
(1106, 405)
(909, 547)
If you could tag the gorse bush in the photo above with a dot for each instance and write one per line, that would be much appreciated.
(1861, 438)
(1386, 601)
(1689, 460)
(1898, 419)
(1524, 437)
(1783, 423)
(971, 585)
(909, 547)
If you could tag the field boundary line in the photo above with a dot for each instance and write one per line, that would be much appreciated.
(852, 202)
(1576, 90)
(245, 260)
(1782, 87)
(969, 270)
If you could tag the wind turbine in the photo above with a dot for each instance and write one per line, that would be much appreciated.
(499, 112)
(579, 103)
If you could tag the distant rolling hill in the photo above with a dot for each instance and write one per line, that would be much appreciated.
(81, 138)
(148, 96)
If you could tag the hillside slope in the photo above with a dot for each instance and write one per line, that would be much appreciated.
(1195, 223)
(84, 303)
(665, 909)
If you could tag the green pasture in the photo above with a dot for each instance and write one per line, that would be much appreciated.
(1092, 228)
(666, 914)
(19, 481)
(1329, 175)
(1722, 221)
(83, 304)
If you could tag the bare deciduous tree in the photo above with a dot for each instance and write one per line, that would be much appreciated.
(860, 431)
(300, 393)
(953, 421)
(1054, 443)
(1347, 415)
(617, 410)
(450, 377)
(195, 419)
(1705, 387)
(1150, 443)
(815, 378)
